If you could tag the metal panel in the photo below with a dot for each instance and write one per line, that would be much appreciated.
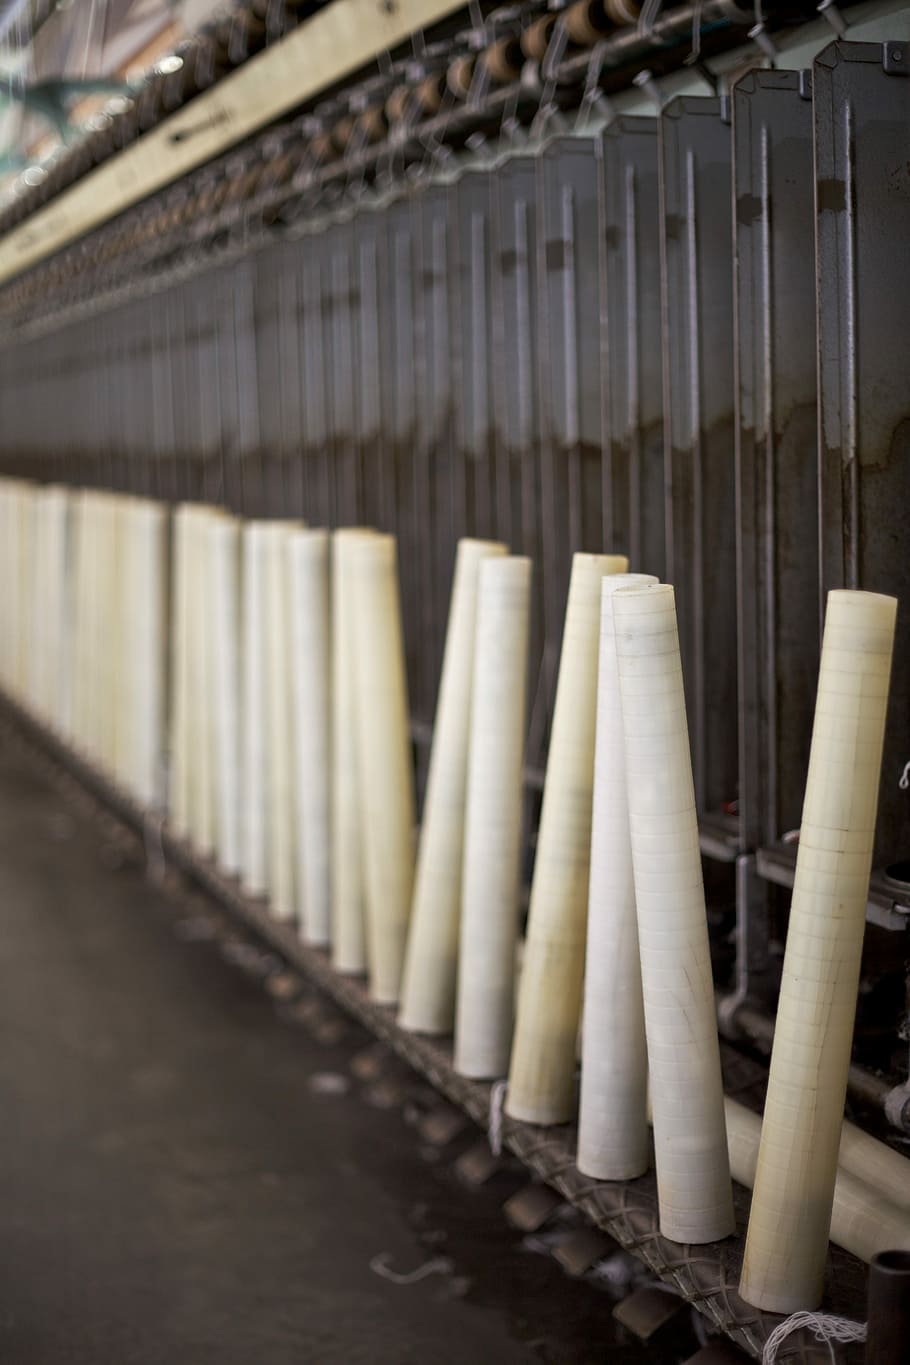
(339, 305)
(777, 502)
(402, 458)
(268, 289)
(290, 416)
(471, 276)
(633, 469)
(697, 282)
(368, 235)
(435, 411)
(862, 118)
(318, 481)
(569, 379)
(516, 411)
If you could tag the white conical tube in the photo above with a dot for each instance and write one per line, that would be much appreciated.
(490, 881)
(254, 723)
(179, 800)
(690, 1145)
(431, 959)
(541, 1075)
(147, 652)
(864, 1219)
(200, 737)
(310, 637)
(386, 772)
(875, 1164)
(224, 612)
(348, 874)
(282, 819)
(786, 1244)
(613, 1141)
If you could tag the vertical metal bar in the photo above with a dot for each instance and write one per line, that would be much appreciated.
(338, 241)
(777, 475)
(515, 407)
(473, 409)
(569, 375)
(249, 446)
(265, 334)
(367, 408)
(290, 421)
(862, 192)
(443, 474)
(633, 461)
(319, 484)
(697, 289)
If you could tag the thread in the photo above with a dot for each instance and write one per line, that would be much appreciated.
(825, 1327)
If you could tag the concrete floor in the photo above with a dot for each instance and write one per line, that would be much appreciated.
(173, 1189)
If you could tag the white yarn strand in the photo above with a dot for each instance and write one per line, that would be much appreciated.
(825, 1327)
(494, 1125)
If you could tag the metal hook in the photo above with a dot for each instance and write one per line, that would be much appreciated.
(593, 96)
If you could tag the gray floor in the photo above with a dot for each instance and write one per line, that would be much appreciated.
(172, 1189)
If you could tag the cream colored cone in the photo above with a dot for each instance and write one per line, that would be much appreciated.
(864, 1220)
(690, 1146)
(541, 1075)
(431, 959)
(200, 737)
(254, 703)
(613, 1142)
(490, 883)
(348, 860)
(311, 642)
(179, 800)
(282, 816)
(386, 773)
(148, 649)
(224, 548)
(786, 1244)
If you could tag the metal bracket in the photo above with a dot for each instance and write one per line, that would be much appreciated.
(896, 59)
(645, 82)
(828, 10)
(763, 41)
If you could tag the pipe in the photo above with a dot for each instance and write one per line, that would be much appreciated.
(888, 1330)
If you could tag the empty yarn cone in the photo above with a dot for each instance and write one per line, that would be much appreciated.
(541, 1075)
(282, 901)
(200, 680)
(148, 546)
(613, 1142)
(254, 728)
(786, 1244)
(348, 858)
(384, 759)
(864, 1219)
(690, 1144)
(311, 643)
(179, 800)
(431, 960)
(491, 869)
(224, 610)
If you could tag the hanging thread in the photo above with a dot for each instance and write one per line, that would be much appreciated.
(494, 1124)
